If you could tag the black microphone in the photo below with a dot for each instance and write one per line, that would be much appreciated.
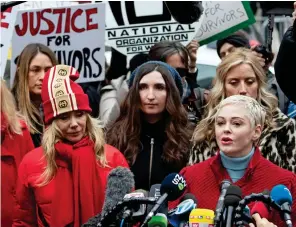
(185, 12)
(232, 198)
(155, 192)
(172, 187)
(135, 210)
(6, 5)
(220, 205)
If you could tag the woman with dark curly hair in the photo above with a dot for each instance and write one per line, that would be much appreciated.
(152, 130)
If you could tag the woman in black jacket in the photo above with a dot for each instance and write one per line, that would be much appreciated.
(152, 130)
(285, 63)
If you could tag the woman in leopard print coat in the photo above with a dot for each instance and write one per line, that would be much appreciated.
(241, 73)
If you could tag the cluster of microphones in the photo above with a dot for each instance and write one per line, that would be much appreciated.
(123, 208)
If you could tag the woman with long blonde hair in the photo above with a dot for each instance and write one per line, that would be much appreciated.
(66, 177)
(32, 64)
(241, 74)
(15, 143)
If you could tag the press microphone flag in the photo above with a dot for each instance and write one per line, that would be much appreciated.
(201, 217)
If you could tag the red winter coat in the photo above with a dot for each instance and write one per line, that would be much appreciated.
(29, 196)
(13, 149)
(203, 181)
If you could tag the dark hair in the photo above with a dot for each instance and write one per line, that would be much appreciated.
(162, 50)
(125, 133)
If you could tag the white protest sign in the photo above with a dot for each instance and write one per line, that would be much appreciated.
(29, 5)
(76, 34)
(7, 24)
(137, 25)
(221, 18)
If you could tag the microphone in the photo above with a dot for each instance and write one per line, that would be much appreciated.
(172, 187)
(282, 196)
(120, 182)
(6, 5)
(220, 205)
(155, 193)
(201, 216)
(261, 209)
(159, 220)
(136, 210)
(179, 216)
(193, 9)
(232, 198)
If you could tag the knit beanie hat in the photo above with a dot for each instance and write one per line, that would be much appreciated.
(235, 40)
(60, 94)
(177, 78)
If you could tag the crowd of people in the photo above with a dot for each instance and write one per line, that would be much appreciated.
(59, 142)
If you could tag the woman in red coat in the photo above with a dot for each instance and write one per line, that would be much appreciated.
(236, 124)
(15, 143)
(62, 183)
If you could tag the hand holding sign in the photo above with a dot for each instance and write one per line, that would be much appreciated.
(192, 49)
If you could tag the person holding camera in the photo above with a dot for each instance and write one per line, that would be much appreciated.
(263, 56)
(153, 131)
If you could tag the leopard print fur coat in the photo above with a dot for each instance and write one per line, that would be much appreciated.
(277, 144)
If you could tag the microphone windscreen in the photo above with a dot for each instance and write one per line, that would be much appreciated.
(261, 209)
(189, 196)
(281, 194)
(174, 185)
(120, 182)
(159, 220)
(233, 195)
(185, 12)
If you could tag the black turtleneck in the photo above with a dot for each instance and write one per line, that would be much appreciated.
(152, 137)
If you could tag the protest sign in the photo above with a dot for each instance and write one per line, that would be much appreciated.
(7, 25)
(75, 34)
(221, 19)
(133, 27)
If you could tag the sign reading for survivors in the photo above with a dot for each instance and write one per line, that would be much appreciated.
(133, 27)
(76, 34)
(7, 22)
(221, 19)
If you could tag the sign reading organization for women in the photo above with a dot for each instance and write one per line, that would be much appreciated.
(133, 27)
(76, 34)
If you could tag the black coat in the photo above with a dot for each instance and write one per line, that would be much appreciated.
(149, 170)
(284, 67)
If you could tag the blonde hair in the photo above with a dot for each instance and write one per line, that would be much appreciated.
(255, 112)
(205, 129)
(52, 135)
(20, 87)
(8, 108)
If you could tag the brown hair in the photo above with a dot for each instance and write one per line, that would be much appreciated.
(20, 87)
(125, 133)
(162, 50)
